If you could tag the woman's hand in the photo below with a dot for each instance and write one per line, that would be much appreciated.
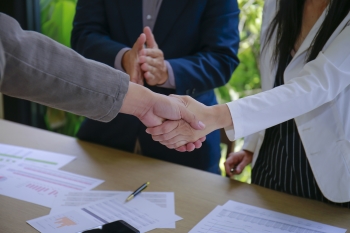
(179, 135)
(238, 161)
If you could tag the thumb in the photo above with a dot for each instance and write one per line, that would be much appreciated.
(150, 41)
(140, 42)
(191, 119)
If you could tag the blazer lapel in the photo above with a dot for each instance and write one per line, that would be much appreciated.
(131, 12)
(168, 14)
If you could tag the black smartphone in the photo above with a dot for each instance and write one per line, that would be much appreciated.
(119, 226)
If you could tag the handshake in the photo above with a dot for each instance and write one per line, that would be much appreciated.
(178, 122)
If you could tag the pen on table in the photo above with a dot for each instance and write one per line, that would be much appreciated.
(137, 191)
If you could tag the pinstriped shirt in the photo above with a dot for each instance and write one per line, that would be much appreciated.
(282, 164)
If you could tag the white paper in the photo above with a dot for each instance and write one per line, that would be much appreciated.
(241, 218)
(140, 213)
(41, 185)
(67, 201)
(10, 155)
(165, 200)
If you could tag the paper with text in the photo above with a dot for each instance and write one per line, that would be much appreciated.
(67, 201)
(140, 213)
(41, 185)
(10, 155)
(241, 218)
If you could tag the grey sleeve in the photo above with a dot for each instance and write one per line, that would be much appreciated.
(43, 71)
(2, 61)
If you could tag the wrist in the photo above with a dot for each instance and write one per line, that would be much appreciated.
(165, 75)
(218, 117)
(138, 100)
(125, 60)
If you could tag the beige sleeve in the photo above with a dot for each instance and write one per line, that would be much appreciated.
(36, 68)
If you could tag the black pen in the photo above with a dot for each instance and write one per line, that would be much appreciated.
(137, 191)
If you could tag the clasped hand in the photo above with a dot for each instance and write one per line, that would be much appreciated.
(145, 63)
(180, 135)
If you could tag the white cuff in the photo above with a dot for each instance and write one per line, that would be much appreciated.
(118, 59)
(170, 82)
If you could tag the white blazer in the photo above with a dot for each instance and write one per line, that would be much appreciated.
(316, 95)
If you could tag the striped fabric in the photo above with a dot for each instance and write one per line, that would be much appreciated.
(282, 164)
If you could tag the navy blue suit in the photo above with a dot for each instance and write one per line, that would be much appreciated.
(200, 40)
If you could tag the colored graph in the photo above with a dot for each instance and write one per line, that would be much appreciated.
(41, 189)
(65, 222)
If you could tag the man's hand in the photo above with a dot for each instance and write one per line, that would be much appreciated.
(130, 61)
(152, 61)
(180, 135)
(153, 109)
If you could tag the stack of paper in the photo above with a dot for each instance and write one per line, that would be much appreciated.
(78, 211)
(234, 217)
(34, 176)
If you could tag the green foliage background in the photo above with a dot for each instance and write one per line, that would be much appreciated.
(56, 20)
(246, 78)
(57, 23)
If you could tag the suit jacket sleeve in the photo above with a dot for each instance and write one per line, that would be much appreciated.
(213, 65)
(2, 61)
(90, 33)
(43, 71)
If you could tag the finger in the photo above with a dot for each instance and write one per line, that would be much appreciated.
(198, 144)
(147, 61)
(181, 149)
(164, 128)
(154, 53)
(150, 78)
(177, 141)
(177, 145)
(150, 41)
(170, 138)
(240, 167)
(187, 115)
(190, 118)
(139, 44)
(148, 67)
(232, 161)
(190, 147)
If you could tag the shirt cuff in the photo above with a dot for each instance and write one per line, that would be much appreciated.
(230, 130)
(170, 82)
(118, 59)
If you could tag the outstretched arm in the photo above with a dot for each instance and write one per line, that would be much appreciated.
(36, 68)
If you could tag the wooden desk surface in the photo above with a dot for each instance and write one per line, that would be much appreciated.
(196, 192)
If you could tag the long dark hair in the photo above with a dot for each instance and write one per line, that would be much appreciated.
(288, 21)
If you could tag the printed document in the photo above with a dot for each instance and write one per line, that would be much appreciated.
(235, 217)
(67, 201)
(139, 212)
(41, 185)
(10, 155)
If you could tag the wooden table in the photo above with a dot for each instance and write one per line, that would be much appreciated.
(196, 192)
